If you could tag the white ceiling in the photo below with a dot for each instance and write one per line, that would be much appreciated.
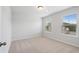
(33, 10)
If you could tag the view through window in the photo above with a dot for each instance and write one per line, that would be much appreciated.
(70, 24)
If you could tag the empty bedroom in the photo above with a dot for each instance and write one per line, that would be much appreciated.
(39, 29)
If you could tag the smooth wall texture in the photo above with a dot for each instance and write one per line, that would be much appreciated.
(57, 19)
(26, 24)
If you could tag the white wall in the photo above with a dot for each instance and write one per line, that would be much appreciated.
(26, 20)
(6, 27)
(26, 24)
(57, 20)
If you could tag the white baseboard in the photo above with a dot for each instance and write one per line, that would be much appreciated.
(72, 44)
(27, 37)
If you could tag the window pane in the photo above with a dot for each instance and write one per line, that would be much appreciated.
(69, 24)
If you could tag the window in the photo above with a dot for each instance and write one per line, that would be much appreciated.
(48, 25)
(69, 24)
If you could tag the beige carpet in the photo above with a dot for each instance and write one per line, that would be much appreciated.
(41, 45)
